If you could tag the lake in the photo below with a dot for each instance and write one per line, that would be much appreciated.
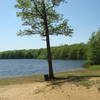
(23, 67)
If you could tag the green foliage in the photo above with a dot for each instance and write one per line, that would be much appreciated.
(94, 49)
(32, 13)
(76, 51)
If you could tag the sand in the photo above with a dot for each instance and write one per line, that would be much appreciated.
(47, 91)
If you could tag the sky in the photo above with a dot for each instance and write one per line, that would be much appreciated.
(83, 16)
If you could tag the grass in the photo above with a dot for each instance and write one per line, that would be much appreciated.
(74, 76)
(93, 67)
(86, 83)
(85, 72)
(20, 80)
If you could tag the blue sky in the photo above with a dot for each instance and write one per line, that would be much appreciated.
(83, 16)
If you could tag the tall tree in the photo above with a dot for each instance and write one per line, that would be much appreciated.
(41, 18)
(94, 49)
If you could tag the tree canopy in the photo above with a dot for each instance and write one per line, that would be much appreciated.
(72, 52)
(94, 49)
(32, 15)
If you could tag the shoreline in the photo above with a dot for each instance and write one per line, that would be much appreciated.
(40, 77)
(18, 76)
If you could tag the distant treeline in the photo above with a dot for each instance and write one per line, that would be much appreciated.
(75, 51)
(89, 52)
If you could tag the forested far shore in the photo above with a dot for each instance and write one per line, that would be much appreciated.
(89, 52)
(74, 51)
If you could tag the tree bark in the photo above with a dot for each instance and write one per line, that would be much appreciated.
(51, 74)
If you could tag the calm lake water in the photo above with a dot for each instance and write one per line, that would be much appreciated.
(23, 67)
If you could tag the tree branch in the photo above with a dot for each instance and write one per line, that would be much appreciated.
(36, 8)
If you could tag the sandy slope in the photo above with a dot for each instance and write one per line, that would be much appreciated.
(46, 91)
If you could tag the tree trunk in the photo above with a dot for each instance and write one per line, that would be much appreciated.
(51, 75)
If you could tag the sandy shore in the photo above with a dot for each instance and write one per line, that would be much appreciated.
(47, 91)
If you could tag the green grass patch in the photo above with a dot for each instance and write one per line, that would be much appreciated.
(85, 72)
(85, 83)
(21, 80)
(93, 67)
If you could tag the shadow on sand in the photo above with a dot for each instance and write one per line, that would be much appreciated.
(72, 79)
